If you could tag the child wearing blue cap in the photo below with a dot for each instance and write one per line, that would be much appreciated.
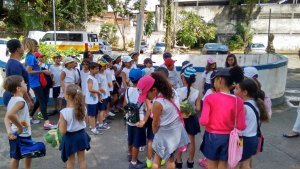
(136, 132)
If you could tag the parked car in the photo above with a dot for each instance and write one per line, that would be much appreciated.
(3, 50)
(215, 48)
(255, 48)
(104, 47)
(159, 47)
(143, 47)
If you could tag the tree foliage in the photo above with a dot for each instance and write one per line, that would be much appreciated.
(108, 32)
(242, 38)
(149, 25)
(193, 28)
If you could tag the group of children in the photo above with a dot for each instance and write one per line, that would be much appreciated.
(94, 91)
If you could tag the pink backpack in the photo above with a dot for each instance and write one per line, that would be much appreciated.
(235, 149)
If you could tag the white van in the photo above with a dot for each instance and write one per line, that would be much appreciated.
(78, 40)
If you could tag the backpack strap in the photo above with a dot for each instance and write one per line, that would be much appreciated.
(127, 91)
(257, 116)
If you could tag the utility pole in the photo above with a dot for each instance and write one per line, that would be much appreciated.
(85, 11)
(139, 27)
(54, 22)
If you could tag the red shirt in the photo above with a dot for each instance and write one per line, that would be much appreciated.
(218, 113)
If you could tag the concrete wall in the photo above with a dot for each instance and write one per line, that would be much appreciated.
(285, 22)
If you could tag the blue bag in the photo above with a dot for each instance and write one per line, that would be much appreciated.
(31, 149)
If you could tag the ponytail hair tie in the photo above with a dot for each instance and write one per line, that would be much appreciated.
(78, 91)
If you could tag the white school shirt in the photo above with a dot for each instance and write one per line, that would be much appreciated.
(169, 112)
(148, 70)
(251, 123)
(182, 93)
(91, 98)
(173, 77)
(22, 116)
(70, 76)
(55, 72)
(126, 71)
(110, 78)
(84, 76)
(72, 123)
(118, 66)
(102, 81)
(133, 94)
(208, 92)
(207, 76)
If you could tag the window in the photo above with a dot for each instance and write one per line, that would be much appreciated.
(62, 37)
(48, 37)
(75, 37)
(2, 42)
(92, 38)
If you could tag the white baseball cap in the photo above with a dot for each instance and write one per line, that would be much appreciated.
(250, 72)
(126, 59)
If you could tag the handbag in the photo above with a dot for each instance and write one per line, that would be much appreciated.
(43, 80)
(182, 148)
(235, 149)
(260, 137)
(30, 148)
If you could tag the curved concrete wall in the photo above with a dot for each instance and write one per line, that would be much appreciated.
(272, 70)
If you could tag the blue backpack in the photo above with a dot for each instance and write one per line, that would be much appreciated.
(31, 149)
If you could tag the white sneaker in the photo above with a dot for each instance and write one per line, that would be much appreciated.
(95, 131)
(111, 114)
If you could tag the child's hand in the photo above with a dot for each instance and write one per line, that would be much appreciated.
(20, 130)
(140, 124)
(11, 136)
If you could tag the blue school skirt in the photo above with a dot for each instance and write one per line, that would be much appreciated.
(215, 146)
(72, 142)
(192, 126)
(206, 87)
(249, 147)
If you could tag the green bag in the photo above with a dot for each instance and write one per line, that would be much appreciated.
(186, 108)
(53, 137)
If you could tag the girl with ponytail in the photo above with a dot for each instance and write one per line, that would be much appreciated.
(72, 125)
(192, 127)
(220, 112)
(249, 91)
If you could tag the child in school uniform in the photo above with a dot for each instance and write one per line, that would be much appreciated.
(72, 125)
(211, 66)
(104, 90)
(67, 75)
(55, 71)
(125, 72)
(136, 132)
(117, 67)
(84, 74)
(92, 96)
(17, 119)
(148, 63)
(188, 92)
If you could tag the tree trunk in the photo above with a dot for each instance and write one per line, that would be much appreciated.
(168, 21)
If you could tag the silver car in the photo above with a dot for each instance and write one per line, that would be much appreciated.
(255, 48)
(159, 47)
(104, 47)
(143, 47)
(215, 48)
(3, 50)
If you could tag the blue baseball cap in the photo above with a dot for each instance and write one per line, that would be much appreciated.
(136, 74)
(167, 55)
(189, 71)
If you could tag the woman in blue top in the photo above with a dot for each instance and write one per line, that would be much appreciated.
(34, 71)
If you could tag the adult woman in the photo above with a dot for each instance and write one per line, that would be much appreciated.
(34, 71)
(167, 122)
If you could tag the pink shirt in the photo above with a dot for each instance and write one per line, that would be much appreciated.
(218, 113)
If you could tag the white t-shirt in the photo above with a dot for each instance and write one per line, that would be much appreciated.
(110, 76)
(174, 77)
(102, 81)
(169, 112)
(72, 123)
(55, 72)
(251, 123)
(44, 66)
(91, 98)
(182, 93)
(207, 76)
(84, 76)
(126, 71)
(208, 92)
(148, 71)
(22, 116)
(70, 76)
(118, 66)
(134, 65)
(133, 94)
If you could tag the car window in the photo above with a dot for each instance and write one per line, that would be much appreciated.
(48, 37)
(62, 37)
(143, 43)
(160, 44)
(2, 42)
(258, 45)
(75, 37)
(105, 43)
(92, 37)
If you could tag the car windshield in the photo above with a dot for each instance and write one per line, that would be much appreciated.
(215, 46)
(143, 43)
(258, 45)
(160, 45)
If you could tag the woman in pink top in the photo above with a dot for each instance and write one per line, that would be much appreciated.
(218, 117)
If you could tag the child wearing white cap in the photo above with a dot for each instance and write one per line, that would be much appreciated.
(125, 72)
(67, 75)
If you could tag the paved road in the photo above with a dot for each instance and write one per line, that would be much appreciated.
(109, 150)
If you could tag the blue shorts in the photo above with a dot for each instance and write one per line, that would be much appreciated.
(148, 127)
(15, 151)
(56, 91)
(249, 147)
(136, 136)
(102, 106)
(92, 109)
(215, 146)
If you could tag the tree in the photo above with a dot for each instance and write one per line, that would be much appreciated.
(168, 22)
(193, 28)
(120, 9)
(149, 25)
(242, 38)
(108, 32)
